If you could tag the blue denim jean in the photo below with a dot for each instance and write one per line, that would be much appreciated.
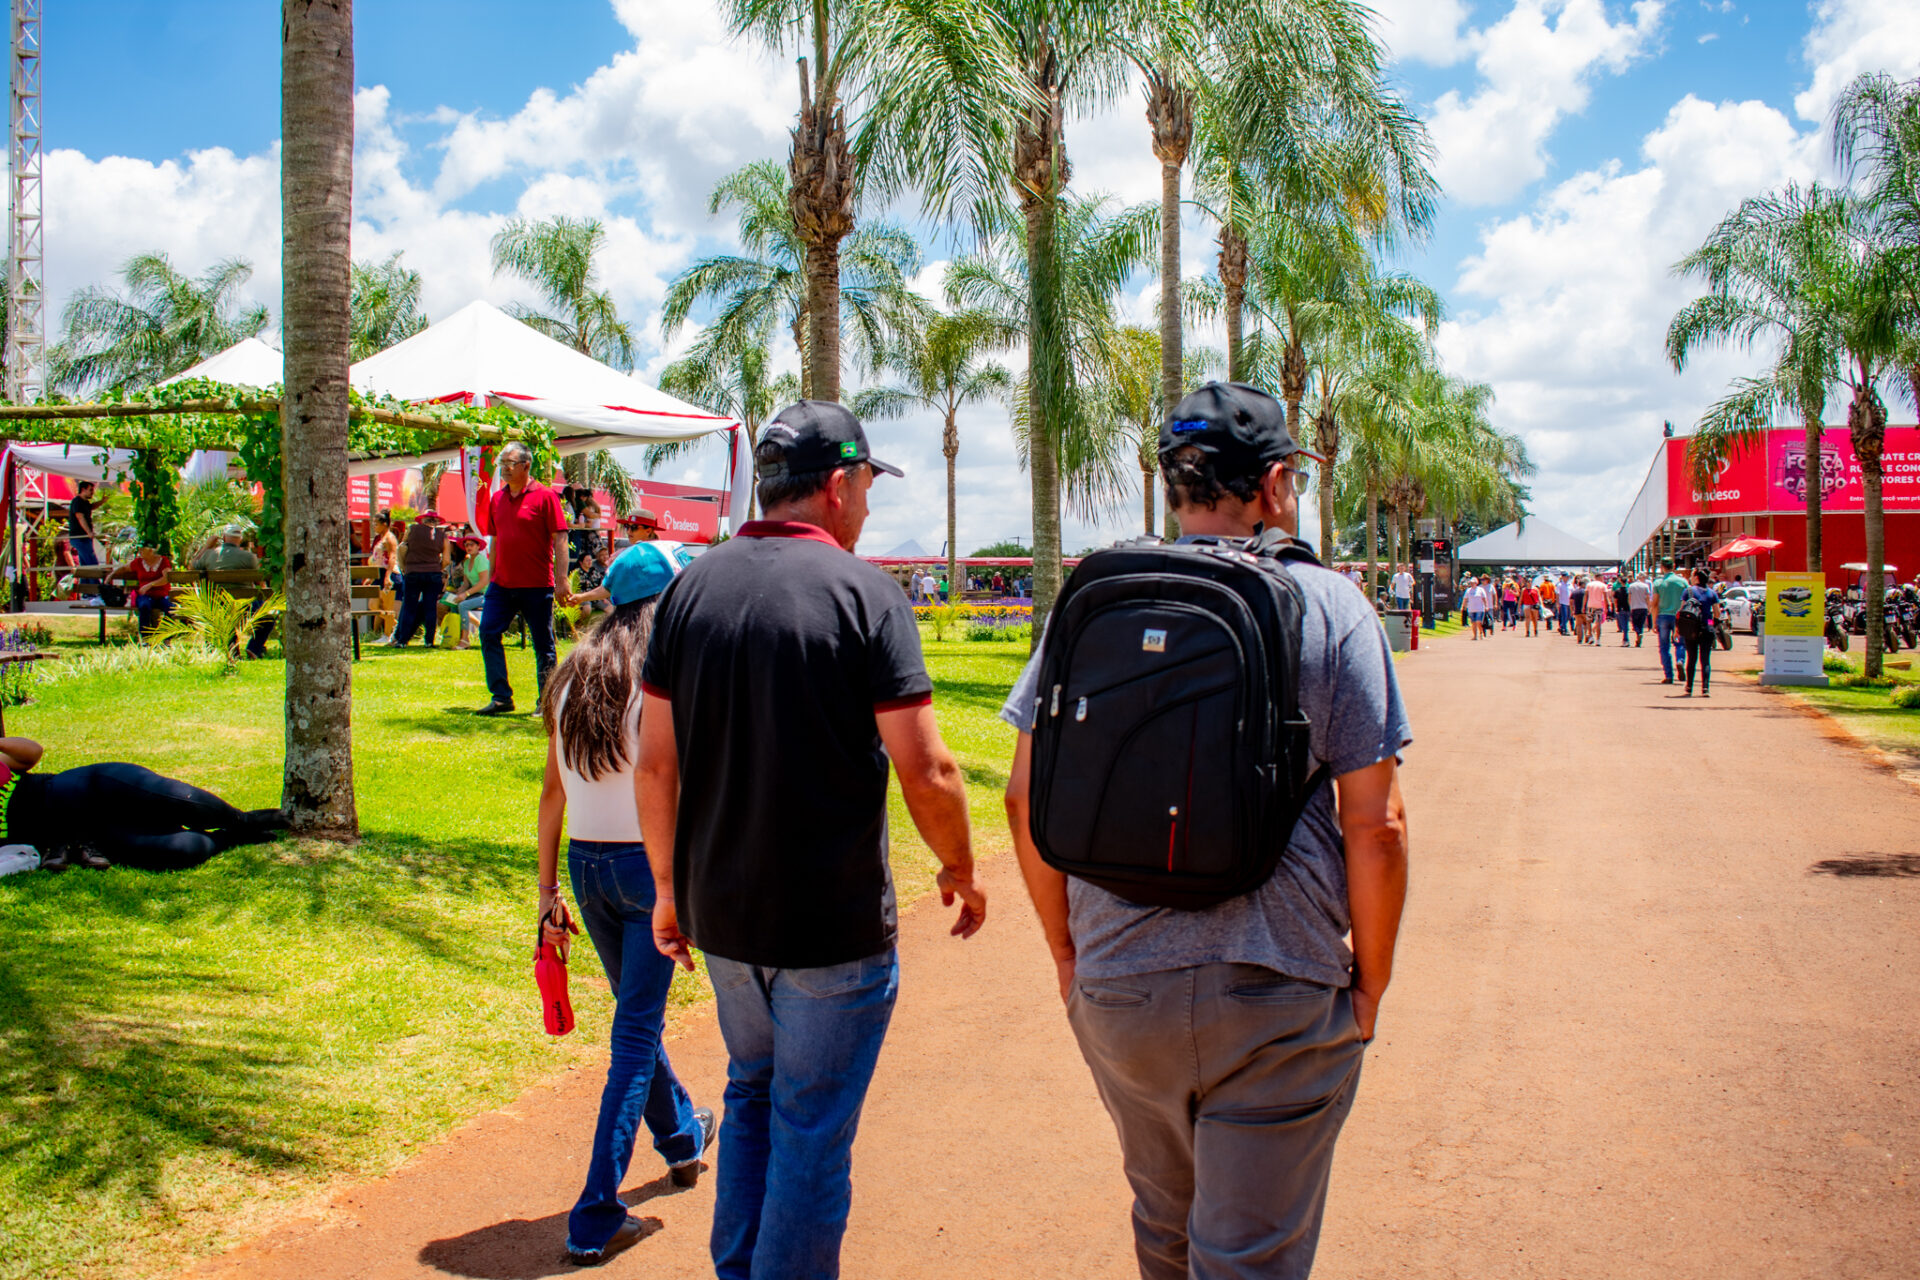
(503, 604)
(1670, 647)
(613, 887)
(83, 552)
(420, 592)
(1565, 618)
(801, 1048)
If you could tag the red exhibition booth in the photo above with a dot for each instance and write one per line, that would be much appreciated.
(1760, 492)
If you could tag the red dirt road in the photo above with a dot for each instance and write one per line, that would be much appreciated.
(1654, 1016)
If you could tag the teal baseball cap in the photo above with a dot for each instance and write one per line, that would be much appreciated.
(644, 570)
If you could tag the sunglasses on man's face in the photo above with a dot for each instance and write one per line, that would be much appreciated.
(1302, 480)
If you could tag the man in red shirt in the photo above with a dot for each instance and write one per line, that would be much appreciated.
(529, 530)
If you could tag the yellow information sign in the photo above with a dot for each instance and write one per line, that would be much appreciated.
(1796, 604)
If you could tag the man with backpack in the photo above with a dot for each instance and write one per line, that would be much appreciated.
(1175, 758)
(1668, 589)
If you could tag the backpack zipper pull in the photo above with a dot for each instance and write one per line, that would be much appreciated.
(1080, 712)
(1054, 710)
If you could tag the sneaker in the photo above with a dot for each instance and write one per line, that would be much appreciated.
(1668, 680)
(687, 1172)
(629, 1233)
(496, 708)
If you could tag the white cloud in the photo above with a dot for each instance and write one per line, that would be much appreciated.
(1579, 293)
(1851, 36)
(1536, 65)
(1709, 38)
(1423, 30)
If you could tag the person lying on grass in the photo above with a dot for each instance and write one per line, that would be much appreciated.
(102, 814)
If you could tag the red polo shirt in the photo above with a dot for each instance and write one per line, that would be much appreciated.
(523, 529)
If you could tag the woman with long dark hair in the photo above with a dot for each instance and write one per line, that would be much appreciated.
(1696, 632)
(592, 711)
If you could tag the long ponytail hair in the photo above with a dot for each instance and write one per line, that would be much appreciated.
(600, 679)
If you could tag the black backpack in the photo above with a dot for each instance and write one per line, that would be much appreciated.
(1170, 755)
(1690, 619)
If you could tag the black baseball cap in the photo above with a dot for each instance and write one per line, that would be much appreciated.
(1242, 427)
(815, 435)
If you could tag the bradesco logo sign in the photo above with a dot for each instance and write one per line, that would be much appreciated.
(687, 519)
(1739, 483)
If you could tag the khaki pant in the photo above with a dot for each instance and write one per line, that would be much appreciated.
(1228, 1084)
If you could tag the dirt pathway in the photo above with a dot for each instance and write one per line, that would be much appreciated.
(1654, 1017)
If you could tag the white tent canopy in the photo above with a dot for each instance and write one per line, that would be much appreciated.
(247, 363)
(1538, 543)
(480, 354)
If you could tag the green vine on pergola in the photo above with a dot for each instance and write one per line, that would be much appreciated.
(163, 425)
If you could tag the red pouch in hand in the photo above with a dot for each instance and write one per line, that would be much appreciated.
(550, 975)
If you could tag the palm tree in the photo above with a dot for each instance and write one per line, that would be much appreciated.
(1294, 87)
(1135, 397)
(1876, 137)
(925, 78)
(1764, 267)
(386, 305)
(165, 321)
(556, 256)
(1080, 437)
(765, 288)
(1315, 285)
(735, 381)
(945, 370)
(316, 191)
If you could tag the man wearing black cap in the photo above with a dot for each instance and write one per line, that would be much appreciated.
(783, 675)
(1226, 1042)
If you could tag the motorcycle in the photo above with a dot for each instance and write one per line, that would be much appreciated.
(1838, 624)
(1723, 631)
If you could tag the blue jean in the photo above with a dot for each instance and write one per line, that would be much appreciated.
(503, 605)
(614, 889)
(801, 1047)
(83, 552)
(419, 593)
(1565, 618)
(1670, 647)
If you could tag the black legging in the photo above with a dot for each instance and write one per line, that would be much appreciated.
(1700, 651)
(139, 818)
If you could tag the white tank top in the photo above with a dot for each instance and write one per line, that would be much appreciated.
(603, 808)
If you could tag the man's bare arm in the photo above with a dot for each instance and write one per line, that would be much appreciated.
(1047, 887)
(562, 593)
(1373, 825)
(936, 796)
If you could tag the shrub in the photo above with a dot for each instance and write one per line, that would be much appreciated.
(1907, 695)
(216, 621)
(1836, 663)
(1002, 633)
(1854, 680)
(123, 659)
(944, 617)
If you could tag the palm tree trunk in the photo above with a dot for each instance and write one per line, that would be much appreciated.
(800, 345)
(1393, 543)
(950, 445)
(1045, 379)
(1328, 440)
(1867, 421)
(1373, 539)
(1813, 468)
(1233, 292)
(316, 192)
(1146, 497)
(820, 193)
(1170, 113)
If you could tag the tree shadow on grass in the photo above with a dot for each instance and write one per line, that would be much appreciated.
(155, 1042)
(104, 1083)
(986, 695)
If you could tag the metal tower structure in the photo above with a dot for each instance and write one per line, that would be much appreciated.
(25, 359)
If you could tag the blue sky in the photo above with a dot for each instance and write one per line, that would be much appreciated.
(1586, 144)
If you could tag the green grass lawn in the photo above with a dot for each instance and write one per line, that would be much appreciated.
(183, 1055)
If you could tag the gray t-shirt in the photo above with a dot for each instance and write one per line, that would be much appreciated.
(1296, 923)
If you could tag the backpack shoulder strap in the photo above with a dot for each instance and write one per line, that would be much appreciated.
(1278, 544)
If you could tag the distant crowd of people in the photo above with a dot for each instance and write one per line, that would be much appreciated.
(1683, 615)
